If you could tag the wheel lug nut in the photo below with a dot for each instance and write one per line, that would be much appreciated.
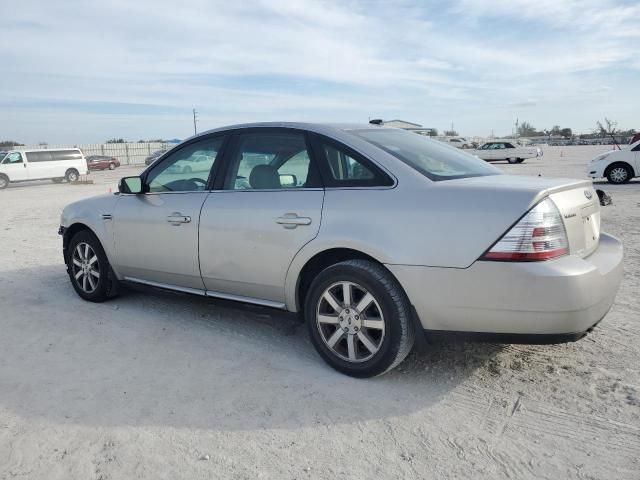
(346, 311)
(355, 328)
(345, 329)
(357, 317)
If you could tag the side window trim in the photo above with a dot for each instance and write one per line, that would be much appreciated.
(383, 179)
(212, 173)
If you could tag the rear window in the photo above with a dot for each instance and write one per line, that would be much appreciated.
(433, 159)
(54, 155)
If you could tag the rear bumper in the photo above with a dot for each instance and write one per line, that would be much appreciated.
(567, 296)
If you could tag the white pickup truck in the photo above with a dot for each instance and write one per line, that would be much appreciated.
(510, 151)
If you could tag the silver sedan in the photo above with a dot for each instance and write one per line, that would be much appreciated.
(375, 235)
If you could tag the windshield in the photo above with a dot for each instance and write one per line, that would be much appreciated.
(432, 158)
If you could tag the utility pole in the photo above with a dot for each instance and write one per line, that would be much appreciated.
(195, 121)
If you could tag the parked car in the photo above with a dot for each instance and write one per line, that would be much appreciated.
(21, 165)
(154, 156)
(459, 142)
(509, 151)
(373, 234)
(102, 162)
(618, 166)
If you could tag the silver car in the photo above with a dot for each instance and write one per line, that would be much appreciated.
(375, 235)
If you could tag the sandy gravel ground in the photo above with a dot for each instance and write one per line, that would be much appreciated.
(155, 385)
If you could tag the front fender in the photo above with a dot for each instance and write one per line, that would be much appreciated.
(96, 214)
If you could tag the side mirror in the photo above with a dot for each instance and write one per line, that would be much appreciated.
(130, 185)
(288, 180)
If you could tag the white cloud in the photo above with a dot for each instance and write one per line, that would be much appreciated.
(325, 60)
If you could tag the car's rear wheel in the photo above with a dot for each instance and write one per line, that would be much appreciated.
(89, 269)
(519, 160)
(512, 160)
(4, 182)
(618, 173)
(359, 318)
(112, 166)
(72, 175)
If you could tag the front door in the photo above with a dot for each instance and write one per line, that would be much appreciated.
(15, 167)
(156, 233)
(269, 208)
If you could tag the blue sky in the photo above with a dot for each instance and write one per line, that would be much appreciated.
(77, 71)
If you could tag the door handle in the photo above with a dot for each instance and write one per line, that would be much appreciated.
(177, 219)
(292, 220)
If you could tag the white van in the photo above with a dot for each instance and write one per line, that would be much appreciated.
(21, 165)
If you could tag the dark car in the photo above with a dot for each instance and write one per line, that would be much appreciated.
(102, 162)
(154, 156)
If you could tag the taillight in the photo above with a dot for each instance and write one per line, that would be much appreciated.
(539, 235)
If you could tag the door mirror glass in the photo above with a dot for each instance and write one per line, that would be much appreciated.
(130, 185)
(288, 180)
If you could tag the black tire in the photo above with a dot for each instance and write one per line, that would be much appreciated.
(520, 160)
(398, 338)
(4, 182)
(57, 180)
(72, 175)
(512, 160)
(107, 283)
(112, 166)
(619, 173)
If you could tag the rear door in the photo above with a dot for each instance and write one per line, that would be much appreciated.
(41, 165)
(267, 207)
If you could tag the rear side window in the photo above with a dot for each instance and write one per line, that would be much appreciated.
(344, 167)
(271, 160)
(53, 155)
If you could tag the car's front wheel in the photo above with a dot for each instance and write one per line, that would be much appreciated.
(618, 173)
(112, 166)
(359, 318)
(89, 268)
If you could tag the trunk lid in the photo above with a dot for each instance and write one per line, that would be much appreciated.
(577, 202)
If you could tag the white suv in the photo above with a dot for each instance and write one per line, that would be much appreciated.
(619, 166)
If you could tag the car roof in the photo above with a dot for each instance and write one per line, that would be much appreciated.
(324, 128)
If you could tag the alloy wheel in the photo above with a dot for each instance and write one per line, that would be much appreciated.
(350, 321)
(85, 267)
(618, 174)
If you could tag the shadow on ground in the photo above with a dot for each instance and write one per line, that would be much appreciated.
(175, 360)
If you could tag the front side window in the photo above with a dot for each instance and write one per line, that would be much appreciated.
(13, 157)
(187, 169)
(431, 158)
(270, 161)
